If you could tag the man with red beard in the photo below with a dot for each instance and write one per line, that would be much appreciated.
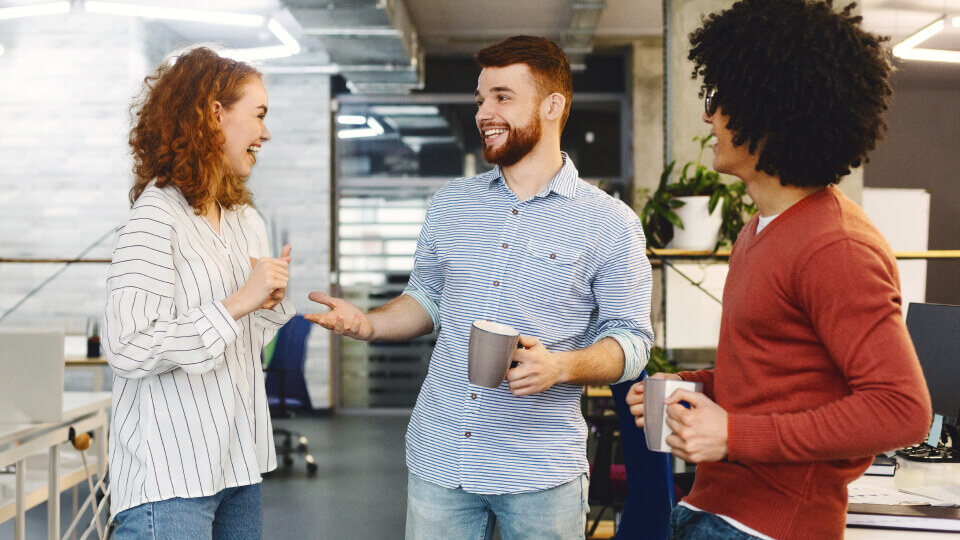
(532, 246)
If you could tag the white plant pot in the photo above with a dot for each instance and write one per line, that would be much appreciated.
(700, 228)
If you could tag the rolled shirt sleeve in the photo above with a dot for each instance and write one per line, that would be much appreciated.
(426, 280)
(623, 289)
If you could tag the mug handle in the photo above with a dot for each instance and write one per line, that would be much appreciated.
(514, 363)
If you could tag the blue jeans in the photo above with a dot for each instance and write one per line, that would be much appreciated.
(687, 524)
(438, 513)
(232, 514)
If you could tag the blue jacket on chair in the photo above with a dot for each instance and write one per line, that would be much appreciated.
(650, 494)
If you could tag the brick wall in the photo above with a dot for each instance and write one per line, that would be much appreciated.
(291, 188)
(66, 83)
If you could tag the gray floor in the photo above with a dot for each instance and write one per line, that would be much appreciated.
(359, 491)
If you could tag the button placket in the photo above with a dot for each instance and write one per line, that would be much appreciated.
(507, 246)
(501, 255)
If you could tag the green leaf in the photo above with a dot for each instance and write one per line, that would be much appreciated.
(712, 205)
(668, 214)
(683, 173)
(665, 176)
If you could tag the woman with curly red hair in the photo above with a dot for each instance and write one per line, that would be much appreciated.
(192, 298)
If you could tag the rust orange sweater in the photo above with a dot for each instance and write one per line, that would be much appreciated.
(814, 366)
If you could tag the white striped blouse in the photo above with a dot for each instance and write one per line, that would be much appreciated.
(190, 414)
(567, 266)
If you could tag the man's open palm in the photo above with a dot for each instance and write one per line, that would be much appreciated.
(343, 318)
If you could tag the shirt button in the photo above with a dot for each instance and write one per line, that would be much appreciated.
(553, 255)
(504, 245)
(515, 211)
(473, 396)
(496, 283)
(467, 434)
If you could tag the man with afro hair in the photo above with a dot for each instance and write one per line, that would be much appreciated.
(815, 371)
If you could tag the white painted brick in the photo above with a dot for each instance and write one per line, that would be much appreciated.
(67, 83)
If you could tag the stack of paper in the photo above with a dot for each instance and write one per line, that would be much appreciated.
(947, 495)
(866, 494)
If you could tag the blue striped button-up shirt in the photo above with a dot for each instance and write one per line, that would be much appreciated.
(567, 266)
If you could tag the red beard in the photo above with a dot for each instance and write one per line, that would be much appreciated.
(519, 143)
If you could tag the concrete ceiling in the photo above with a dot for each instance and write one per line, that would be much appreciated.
(450, 27)
(463, 27)
(901, 18)
(379, 44)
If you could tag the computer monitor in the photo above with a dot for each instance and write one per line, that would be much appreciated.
(31, 375)
(935, 331)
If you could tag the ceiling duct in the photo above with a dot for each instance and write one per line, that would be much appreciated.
(372, 43)
(578, 37)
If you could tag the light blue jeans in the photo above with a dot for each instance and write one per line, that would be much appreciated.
(438, 513)
(232, 514)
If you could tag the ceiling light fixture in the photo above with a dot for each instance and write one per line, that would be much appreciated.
(285, 37)
(257, 53)
(49, 8)
(908, 50)
(373, 129)
(290, 46)
(352, 119)
(175, 14)
(321, 69)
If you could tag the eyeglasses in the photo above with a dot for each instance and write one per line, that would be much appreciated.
(710, 103)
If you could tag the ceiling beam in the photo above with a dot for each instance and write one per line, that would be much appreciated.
(578, 37)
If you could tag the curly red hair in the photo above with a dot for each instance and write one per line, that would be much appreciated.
(177, 139)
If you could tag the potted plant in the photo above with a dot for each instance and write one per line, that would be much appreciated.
(684, 215)
(659, 362)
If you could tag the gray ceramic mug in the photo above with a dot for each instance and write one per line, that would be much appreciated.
(655, 392)
(491, 348)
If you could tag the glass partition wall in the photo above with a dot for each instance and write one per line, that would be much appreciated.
(392, 154)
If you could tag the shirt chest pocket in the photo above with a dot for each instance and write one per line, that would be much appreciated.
(548, 269)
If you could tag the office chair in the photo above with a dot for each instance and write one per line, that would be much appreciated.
(648, 476)
(287, 389)
(608, 481)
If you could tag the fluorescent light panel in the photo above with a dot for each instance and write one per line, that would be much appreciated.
(290, 46)
(48, 8)
(352, 119)
(908, 50)
(176, 14)
(352, 32)
(257, 53)
(405, 110)
(922, 35)
(323, 69)
(931, 55)
(373, 129)
(284, 36)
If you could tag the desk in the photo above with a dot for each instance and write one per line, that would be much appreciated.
(910, 474)
(597, 391)
(93, 364)
(24, 445)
